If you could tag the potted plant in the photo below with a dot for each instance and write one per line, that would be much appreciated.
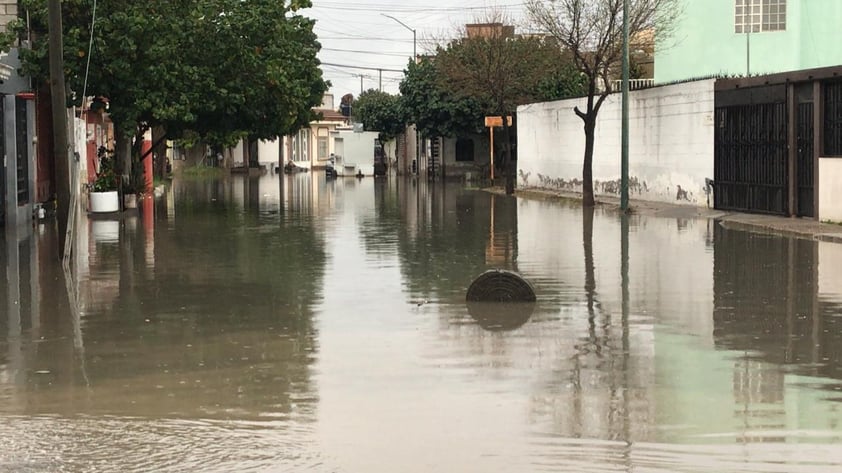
(134, 186)
(104, 188)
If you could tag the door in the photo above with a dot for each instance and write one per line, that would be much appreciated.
(22, 155)
(3, 166)
(751, 172)
(805, 171)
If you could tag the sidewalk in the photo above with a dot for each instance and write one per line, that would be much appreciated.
(768, 224)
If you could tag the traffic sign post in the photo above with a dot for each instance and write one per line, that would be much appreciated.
(492, 122)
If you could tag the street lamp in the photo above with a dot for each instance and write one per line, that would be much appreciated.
(624, 155)
(415, 60)
(414, 54)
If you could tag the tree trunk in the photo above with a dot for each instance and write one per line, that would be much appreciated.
(122, 160)
(587, 162)
(587, 245)
(159, 154)
(507, 156)
(246, 153)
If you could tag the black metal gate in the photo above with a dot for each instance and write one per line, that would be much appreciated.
(805, 172)
(750, 153)
(22, 158)
(3, 165)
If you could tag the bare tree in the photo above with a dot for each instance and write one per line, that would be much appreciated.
(592, 31)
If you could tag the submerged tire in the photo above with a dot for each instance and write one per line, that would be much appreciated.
(500, 285)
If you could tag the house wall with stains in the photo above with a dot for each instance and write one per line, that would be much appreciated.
(671, 135)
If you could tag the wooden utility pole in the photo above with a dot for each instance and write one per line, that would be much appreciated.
(59, 108)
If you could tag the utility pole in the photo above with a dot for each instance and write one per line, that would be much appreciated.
(380, 77)
(624, 159)
(361, 84)
(59, 109)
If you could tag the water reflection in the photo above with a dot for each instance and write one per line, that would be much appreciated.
(500, 315)
(292, 323)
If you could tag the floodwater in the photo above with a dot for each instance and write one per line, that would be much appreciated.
(285, 323)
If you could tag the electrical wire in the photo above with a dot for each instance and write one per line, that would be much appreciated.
(90, 50)
(406, 8)
(367, 68)
(357, 51)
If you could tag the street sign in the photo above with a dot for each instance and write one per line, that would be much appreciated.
(492, 122)
(497, 121)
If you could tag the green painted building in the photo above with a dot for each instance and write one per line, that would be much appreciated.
(755, 36)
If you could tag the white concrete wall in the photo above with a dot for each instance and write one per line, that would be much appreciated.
(237, 156)
(830, 189)
(268, 151)
(355, 154)
(670, 153)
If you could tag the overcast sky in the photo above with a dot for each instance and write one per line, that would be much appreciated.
(355, 33)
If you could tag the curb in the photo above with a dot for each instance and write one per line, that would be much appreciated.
(813, 230)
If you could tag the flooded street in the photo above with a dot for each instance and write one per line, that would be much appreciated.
(293, 324)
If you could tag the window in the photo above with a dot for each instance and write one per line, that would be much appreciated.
(322, 144)
(464, 149)
(300, 151)
(754, 16)
(833, 119)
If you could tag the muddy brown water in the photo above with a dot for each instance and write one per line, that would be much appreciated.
(293, 324)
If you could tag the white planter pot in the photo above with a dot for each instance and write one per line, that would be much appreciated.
(105, 202)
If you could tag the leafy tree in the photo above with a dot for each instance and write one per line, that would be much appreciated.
(435, 110)
(504, 71)
(222, 68)
(561, 83)
(380, 111)
(592, 32)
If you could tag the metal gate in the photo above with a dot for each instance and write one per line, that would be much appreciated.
(3, 166)
(22, 156)
(805, 172)
(750, 153)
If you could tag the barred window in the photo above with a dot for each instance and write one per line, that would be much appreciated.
(754, 16)
(833, 119)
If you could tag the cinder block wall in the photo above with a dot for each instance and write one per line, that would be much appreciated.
(671, 132)
(8, 12)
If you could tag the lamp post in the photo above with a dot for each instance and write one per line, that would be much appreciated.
(414, 53)
(415, 60)
(624, 158)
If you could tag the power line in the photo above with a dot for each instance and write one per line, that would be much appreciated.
(366, 52)
(373, 7)
(362, 67)
(369, 38)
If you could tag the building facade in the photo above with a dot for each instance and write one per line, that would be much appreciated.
(312, 146)
(750, 37)
(17, 113)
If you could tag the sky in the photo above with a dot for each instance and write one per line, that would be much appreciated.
(356, 34)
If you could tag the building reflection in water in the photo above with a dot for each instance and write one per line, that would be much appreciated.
(186, 313)
(768, 308)
(340, 306)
